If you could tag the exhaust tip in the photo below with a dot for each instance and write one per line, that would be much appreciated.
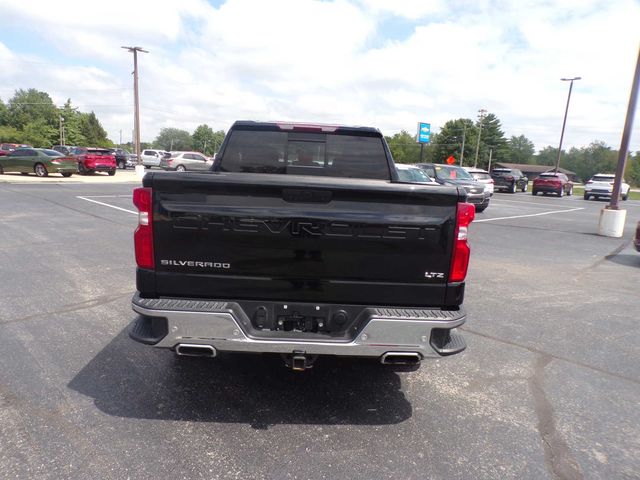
(401, 358)
(194, 350)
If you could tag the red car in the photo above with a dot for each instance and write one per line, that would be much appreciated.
(94, 160)
(552, 182)
(6, 148)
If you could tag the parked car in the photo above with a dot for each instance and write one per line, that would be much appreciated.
(455, 175)
(636, 238)
(63, 149)
(152, 158)
(121, 156)
(41, 161)
(482, 176)
(5, 148)
(183, 161)
(92, 160)
(601, 185)
(509, 179)
(412, 174)
(552, 182)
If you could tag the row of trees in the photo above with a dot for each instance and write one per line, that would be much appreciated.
(30, 116)
(584, 161)
(203, 139)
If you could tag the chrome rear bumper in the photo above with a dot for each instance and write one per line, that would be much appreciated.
(223, 326)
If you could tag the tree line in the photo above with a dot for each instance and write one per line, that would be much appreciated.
(31, 117)
(459, 138)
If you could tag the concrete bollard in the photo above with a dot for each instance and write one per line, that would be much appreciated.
(611, 222)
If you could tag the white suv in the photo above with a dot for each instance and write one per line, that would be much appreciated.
(151, 158)
(481, 176)
(601, 185)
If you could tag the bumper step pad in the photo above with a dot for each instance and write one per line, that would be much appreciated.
(447, 342)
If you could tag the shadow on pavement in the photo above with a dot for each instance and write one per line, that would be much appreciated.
(626, 260)
(127, 379)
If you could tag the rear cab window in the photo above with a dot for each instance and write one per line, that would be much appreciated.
(335, 154)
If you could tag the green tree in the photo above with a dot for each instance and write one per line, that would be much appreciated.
(10, 135)
(449, 140)
(173, 139)
(589, 160)
(39, 134)
(632, 174)
(404, 147)
(521, 149)
(492, 138)
(4, 113)
(31, 105)
(205, 140)
(547, 156)
(92, 131)
(73, 131)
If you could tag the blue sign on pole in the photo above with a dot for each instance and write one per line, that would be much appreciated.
(424, 132)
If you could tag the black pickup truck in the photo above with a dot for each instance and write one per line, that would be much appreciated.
(301, 241)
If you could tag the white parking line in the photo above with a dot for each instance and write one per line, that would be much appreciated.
(524, 203)
(107, 205)
(529, 215)
(106, 196)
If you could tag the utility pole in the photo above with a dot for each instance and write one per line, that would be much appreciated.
(464, 132)
(481, 113)
(120, 145)
(136, 119)
(61, 130)
(564, 122)
(626, 137)
(490, 155)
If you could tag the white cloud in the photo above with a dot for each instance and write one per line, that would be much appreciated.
(314, 61)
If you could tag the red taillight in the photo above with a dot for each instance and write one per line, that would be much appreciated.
(143, 236)
(509, 177)
(461, 250)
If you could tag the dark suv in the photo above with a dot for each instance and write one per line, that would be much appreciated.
(121, 157)
(477, 193)
(509, 179)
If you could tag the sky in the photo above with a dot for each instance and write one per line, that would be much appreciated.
(383, 63)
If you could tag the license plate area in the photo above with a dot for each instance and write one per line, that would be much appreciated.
(300, 317)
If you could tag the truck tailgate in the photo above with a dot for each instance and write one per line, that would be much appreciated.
(301, 238)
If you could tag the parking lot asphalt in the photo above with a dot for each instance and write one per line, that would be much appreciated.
(547, 389)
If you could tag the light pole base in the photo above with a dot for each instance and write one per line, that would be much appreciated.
(611, 222)
(140, 171)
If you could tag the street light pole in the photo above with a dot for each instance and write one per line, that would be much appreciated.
(136, 119)
(481, 112)
(564, 122)
(464, 133)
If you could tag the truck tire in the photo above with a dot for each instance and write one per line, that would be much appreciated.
(513, 188)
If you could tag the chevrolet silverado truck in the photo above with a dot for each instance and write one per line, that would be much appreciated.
(301, 241)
